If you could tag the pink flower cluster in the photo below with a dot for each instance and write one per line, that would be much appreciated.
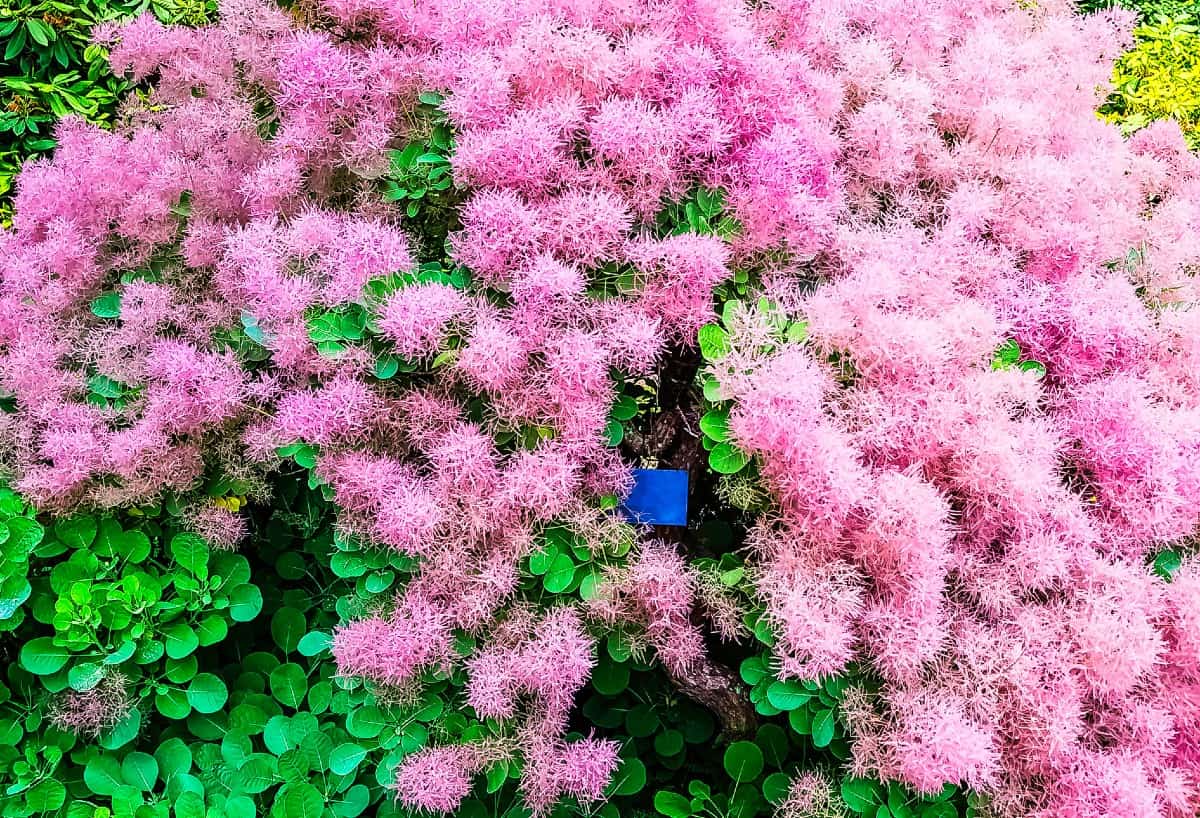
(919, 181)
(979, 535)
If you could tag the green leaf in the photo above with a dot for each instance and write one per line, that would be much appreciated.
(715, 424)
(14, 591)
(1167, 563)
(725, 458)
(788, 694)
(668, 743)
(191, 553)
(123, 732)
(1036, 367)
(625, 408)
(288, 627)
(743, 761)
(714, 342)
(939, 810)
(289, 684)
(346, 758)
(42, 34)
(47, 795)
(386, 366)
(189, 805)
(1007, 355)
(85, 675)
(77, 532)
(610, 678)
(206, 693)
(822, 728)
(797, 332)
(629, 779)
(42, 657)
(775, 787)
(211, 630)
(245, 602)
(255, 775)
(672, 804)
(366, 722)
(614, 433)
(303, 801)
(560, 574)
(313, 643)
(174, 758)
(862, 795)
(15, 44)
(140, 770)
(180, 640)
(753, 670)
(102, 775)
(107, 306)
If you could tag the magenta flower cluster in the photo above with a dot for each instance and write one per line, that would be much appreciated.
(921, 182)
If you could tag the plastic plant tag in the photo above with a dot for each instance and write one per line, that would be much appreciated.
(659, 497)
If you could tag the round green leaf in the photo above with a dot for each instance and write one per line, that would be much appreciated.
(245, 602)
(303, 801)
(345, 758)
(668, 743)
(289, 684)
(47, 795)
(77, 532)
(173, 704)
(42, 657)
(313, 643)
(14, 590)
(85, 675)
(254, 776)
(715, 424)
(211, 630)
(288, 627)
(239, 806)
(725, 458)
(629, 779)
(207, 693)
(672, 804)
(610, 678)
(174, 758)
(123, 732)
(775, 787)
(366, 722)
(102, 775)
(862, 795)
(714, 342)
(189, 805)
(788, 694)
(140, 770)
(743, 761)
(191, 552)
(558, 577)
(180, 640)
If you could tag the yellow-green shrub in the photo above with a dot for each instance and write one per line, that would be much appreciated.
(1158, 79)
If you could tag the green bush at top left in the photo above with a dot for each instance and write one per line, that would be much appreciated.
(49, 69)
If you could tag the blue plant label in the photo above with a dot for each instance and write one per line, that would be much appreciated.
(659, 497)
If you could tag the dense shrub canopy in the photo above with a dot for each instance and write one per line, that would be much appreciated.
(946, 316)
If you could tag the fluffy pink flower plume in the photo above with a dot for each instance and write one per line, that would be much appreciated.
(919, 182)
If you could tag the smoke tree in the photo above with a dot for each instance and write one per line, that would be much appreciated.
(469, 263)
